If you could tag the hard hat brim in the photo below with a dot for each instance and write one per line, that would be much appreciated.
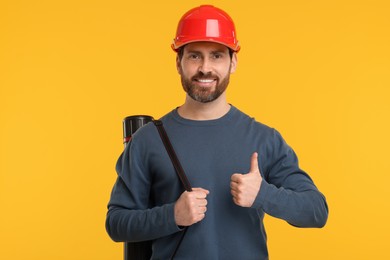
(176, 45)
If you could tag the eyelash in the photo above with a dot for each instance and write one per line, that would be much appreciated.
(215, 56)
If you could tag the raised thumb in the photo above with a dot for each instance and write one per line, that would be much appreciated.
(254, 163)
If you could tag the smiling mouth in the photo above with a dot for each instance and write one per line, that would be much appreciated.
(205, 82)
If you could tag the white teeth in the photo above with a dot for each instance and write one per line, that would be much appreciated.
(205, 80)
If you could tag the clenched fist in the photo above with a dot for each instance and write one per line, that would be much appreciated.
(245, 187)
(190, 208)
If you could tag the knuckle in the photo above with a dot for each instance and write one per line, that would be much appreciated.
(239, 189)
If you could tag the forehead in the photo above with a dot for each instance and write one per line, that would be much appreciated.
(205, 47)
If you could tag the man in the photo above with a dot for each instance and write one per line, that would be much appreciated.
(240, 168)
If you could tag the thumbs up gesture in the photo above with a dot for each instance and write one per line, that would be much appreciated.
(245, 187)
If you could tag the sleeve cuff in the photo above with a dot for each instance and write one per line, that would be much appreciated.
(262, 195)
(171, 217)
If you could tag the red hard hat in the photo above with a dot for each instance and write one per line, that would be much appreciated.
(206, 23)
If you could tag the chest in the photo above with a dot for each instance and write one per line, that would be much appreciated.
(208, 157)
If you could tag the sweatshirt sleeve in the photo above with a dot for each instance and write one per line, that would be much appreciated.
(130, 216)
(287, 192)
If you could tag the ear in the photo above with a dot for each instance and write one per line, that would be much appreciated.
(233, 66)
(178, 64)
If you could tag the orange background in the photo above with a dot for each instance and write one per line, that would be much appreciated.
(70, 71)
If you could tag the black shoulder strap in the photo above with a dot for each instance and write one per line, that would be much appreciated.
(175, 161)
(179, 171)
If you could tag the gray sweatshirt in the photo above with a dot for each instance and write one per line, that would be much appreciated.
(142, 200)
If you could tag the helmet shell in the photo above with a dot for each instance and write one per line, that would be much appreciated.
(206, 23)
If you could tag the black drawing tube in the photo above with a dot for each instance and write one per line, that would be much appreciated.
(135, 250)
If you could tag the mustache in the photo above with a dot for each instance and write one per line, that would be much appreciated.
(201, 75)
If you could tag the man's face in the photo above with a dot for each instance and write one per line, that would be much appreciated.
(205, 69)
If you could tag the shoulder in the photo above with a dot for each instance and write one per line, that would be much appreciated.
(244, 120)
(147, 134)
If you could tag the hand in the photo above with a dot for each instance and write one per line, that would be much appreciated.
(245, 187)
(190, 208)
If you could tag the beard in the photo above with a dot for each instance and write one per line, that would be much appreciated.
(204, 94)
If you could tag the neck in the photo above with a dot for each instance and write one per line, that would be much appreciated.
(195, 110)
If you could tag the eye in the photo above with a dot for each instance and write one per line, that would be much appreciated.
(217, 56)
(193, 56)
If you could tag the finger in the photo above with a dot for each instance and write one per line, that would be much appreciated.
(202, 202)
(199, 193)
(201, 190)
(235, 200)
(202, 210)
(254, 163)
(234, 186)
(236, 177)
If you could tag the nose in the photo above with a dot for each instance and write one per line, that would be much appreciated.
(205, 66)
